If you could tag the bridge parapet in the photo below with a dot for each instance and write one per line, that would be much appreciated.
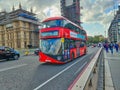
(88, 78)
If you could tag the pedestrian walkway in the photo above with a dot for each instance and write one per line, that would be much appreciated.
(28, 51)
(112, 71)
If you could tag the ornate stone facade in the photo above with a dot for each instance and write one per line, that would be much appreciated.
(18, 29)
(114, 29)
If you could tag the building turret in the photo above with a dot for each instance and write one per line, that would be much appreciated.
(13, 8)
(20, 7)
(118, 12)
(31, 10)
(119, 7)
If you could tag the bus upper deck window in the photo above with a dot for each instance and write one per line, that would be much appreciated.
(58, 22)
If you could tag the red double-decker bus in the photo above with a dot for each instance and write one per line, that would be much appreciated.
(61, 41)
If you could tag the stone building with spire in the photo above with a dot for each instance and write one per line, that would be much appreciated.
(19, 28)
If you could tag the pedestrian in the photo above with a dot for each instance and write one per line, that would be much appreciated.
(116, 47)
(106, 46)
(71, 46)
(111, 45)
(119, 47)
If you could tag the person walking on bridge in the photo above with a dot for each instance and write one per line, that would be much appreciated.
(111, 45)
(106, 47)
(116, 47)
(119, 47)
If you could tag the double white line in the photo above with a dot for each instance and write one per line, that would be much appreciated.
(17, 66)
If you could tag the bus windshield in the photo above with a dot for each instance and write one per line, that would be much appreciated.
(53, 23)
(51, 46)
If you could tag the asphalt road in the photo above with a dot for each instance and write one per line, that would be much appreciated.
(28, 73)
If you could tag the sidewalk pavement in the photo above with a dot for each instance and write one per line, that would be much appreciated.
(29, 51)
(112, 70)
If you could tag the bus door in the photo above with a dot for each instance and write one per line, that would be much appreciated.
(77, 44)
(82, 48)
(66, 49)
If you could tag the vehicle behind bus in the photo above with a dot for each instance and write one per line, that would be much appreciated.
(7, 53)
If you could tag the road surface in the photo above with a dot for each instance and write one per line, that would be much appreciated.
(28, 73)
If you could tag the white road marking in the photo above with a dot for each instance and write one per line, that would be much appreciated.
(17, 66)
(80, 68)
(92, 56)
(57, 74)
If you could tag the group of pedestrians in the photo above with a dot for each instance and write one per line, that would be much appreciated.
(110, 46)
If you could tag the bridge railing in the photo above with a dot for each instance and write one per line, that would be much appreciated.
(88, 78)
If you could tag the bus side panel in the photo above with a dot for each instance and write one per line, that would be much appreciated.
(42, 57)
(85, 50)
(73, 51)
(82, 51)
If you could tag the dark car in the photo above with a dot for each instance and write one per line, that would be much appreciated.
(8, 53)
(36, 52)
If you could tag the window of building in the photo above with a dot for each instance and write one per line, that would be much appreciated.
(25, 45)
(18, 35)
(3, 37)
(18, 44)
(118, 23)
(118, 31)
(9, 25)
(7, 36)
(16, 24)
(24, 34)
(118, 27)
(24, 24)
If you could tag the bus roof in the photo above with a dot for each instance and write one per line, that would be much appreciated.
(61, 17)
(53, 18)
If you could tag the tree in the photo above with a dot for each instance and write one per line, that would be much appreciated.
(95, 39)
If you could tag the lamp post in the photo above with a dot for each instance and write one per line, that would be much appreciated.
(105, 33)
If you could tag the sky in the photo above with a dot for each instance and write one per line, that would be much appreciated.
(96, 14)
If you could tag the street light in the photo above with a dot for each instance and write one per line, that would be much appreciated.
(105, 33)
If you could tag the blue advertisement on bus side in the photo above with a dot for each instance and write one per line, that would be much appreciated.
(75, 35)
(81, 36)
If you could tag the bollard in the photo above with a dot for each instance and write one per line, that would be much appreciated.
(26, 52)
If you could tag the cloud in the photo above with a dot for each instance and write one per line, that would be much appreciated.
(51, 11)
(95, 11)
(42, 7)
(8, 4)
(97, 15)
(39, 6)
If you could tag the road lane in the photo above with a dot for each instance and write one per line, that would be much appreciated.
(58, 74)
(13, 67)
(34, 73)
(79, 69)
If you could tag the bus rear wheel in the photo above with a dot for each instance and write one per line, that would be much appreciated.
(72, 57)
(85, 52)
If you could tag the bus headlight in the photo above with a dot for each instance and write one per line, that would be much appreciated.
(59, 58)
